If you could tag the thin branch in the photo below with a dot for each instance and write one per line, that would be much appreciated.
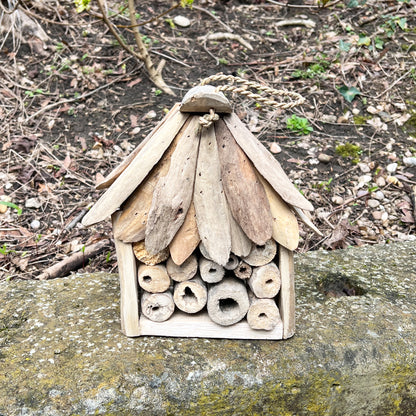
(201, 9)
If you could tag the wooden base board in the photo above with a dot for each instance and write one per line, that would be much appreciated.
(199, 325)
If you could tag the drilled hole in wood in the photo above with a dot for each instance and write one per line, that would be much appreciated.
(262, 315)
(227, 305)
(258, 247)
(189, 296)
(212, 270)
(147, 279)
(269, 281)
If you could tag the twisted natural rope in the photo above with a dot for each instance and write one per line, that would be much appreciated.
(295, 98)
(208, 119)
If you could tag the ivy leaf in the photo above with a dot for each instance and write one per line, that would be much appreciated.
(349, 93)
(363, 40)
(344, 46)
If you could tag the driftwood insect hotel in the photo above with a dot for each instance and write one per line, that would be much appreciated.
(204, 225)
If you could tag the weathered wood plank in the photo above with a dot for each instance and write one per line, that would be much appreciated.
(266, 164)
(201, 99)
(127, 269)
(187, 238)
(173, 193)
(182, 324)
(286, 298)
(210, 202)
(114, 174)
(240, 243)
(285, 224)
(245, 194)
(135, 211)
(136, 171)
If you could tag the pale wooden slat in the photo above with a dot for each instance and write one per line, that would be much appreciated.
(137, 170)
(286, 296)
(240, 243)
(245, 194)
(114, 174)
(307, 221)
(173, 193)
(210, 202)
(285, 224)
(265, 163)
(186, 239)
(133, 220)
(129, 298)
(181, 324)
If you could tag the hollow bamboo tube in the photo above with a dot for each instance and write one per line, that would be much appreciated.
(153, 279)
(210, 271)
(228, 302)
(265, 281)
(145, 257)
(186, 271)
(157, 307)
(243, 270)
(190, 296)
(232, 262)
(261, 255)
(263, 313)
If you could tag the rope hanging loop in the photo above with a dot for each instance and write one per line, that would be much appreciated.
(293, 98)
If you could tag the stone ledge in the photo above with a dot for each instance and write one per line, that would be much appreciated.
(62, 352)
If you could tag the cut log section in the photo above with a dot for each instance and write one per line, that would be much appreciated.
(265, 281)
(110, 178)
(261, 255)
(135, 211)
(190, 296)
(145, 257)
(173, 193)
(202, 99)
(265, 163)
(263, 314)
(210, 202)
(186, 271)
(153, 279)
(243, 271)
(157, 307)
(210, 271)
(245, 194)
(285, 224)
(228, 302)
(186, 239)
(136, 171)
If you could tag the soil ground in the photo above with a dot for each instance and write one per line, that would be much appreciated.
(74, 106)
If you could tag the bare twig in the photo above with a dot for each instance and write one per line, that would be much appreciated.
(73, 262)
(201, 9)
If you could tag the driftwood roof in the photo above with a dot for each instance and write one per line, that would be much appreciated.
(221, 178)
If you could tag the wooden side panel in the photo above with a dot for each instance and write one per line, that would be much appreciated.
(210, 202)
(129, 296)
(285, 224)
(173, 193)
(287, 291)
(265, 163)
(245, 194)
(137, 170)
(112, 176)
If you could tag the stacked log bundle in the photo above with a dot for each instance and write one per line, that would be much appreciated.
(227, 293)
(205, 222)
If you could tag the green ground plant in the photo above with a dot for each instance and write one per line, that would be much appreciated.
(299, 125)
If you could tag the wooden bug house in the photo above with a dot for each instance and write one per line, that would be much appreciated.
(204, 221)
